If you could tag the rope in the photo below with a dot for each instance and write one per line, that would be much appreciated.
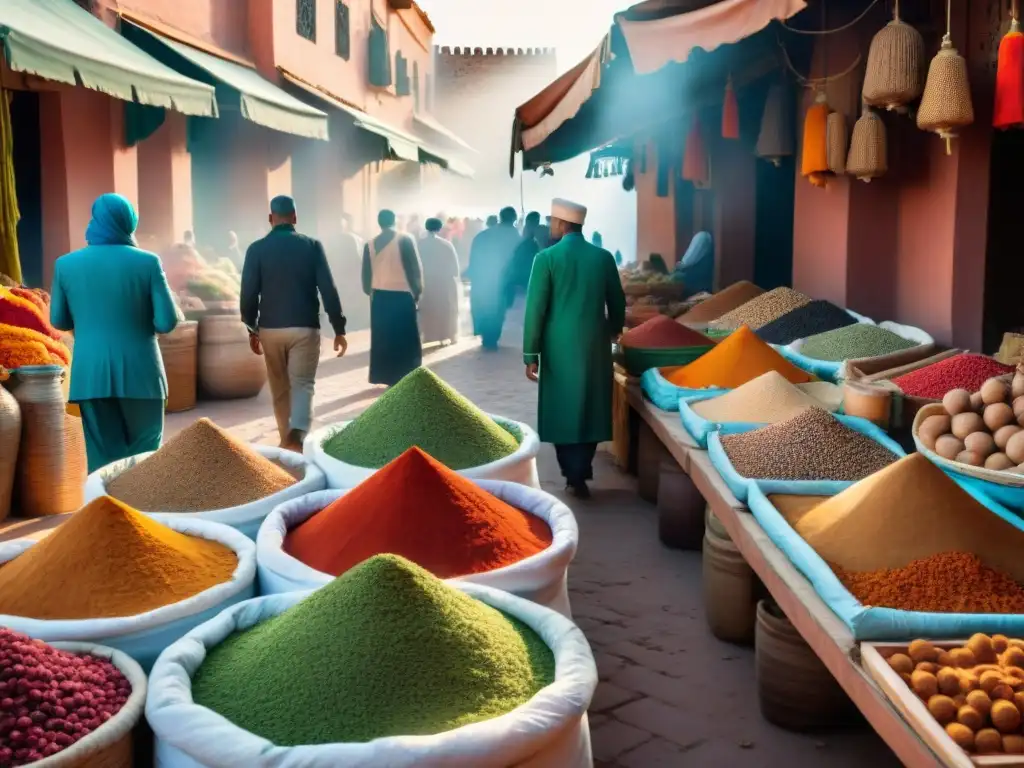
(824, 31)
(815, 82)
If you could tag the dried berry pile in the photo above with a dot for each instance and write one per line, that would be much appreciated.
(964, 371)
(49, 699)
(817, 317)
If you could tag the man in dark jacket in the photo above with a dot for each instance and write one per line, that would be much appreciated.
(282, 276)
(490, 261)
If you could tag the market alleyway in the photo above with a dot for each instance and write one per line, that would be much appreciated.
(670, 694)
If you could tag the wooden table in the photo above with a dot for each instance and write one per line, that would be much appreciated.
(827, 636)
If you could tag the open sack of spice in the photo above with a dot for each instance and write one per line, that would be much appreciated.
(115, 576)
(813, 452)
(490, 532)
(422, 410)
(386, 665)
(827, 353)
(206, 473)
(737, 359)
(904, 552)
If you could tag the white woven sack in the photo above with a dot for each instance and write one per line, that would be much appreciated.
(549, 731)
(520, 467)
(117, 727)
(541, 578)
(145, 635)
(245, 517)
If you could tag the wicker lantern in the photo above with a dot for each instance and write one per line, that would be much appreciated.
(730, 113)
(1009, 106)
(814, 160)
(868, 158)
(775, 139)
(946, 104)
(836, 142)
(696, 167)
(894, 76)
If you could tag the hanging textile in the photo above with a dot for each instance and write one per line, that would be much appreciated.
(696, 168)
(1009, 106)
(730, 113)
(814, 159)
(10, 262)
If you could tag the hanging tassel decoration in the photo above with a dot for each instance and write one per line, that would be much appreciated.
(814, 160)
(868, 158)
(946, 105)
(730, 113)
(1009, 106)
(894, 75)
(696, 168)
(775, 139)
(836, 142)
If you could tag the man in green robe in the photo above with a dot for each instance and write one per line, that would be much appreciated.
(575, 308)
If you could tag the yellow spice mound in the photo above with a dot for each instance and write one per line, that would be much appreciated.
(794, 507)
(765, 400)
(109, 561)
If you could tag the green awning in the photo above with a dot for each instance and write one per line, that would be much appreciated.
(446, 161)
(57, 40)
(261, 101)
(403, 146)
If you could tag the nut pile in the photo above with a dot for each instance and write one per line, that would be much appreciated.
(976, 691)
(983, 429)
(767, 307)
(813, 445)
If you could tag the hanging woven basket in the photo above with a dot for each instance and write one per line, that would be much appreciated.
(775, 139)
(1009, 102)
(868, 158)
(946, 104)
(894, 75)
(836, 142)
(696, 168)
(814, 159)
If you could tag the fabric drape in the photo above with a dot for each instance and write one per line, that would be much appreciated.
(10, 261)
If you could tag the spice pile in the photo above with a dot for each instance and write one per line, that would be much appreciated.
(26, 336)
(794, 507)
(202, 468)
(983, 429)
(50, 699)
(817, 317)
(975, 691)
(726, 300)
(854, 342)
(663, 333)
(765, 400)
(418, 508)
(733, 362)
(764, 309)
(385, 650)
(812, 445)
(422, 410)
(110, 561)
(964, 371)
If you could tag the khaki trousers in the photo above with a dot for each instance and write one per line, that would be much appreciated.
(292, 356)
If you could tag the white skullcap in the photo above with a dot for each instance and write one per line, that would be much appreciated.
(566, 210)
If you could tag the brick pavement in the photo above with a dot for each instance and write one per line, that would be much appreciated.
(670, 693)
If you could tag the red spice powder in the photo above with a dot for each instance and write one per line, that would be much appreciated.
(963, 371)
(418, 508)
(663, 332)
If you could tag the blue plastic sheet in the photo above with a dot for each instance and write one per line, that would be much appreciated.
(740, 485)
(665, 394)
(1009, 496)
(867, 623)
(823, 369)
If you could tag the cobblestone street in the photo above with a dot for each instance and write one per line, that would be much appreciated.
(670, 694)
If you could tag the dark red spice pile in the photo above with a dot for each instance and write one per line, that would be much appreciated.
(663, 332)
(49, 699)
(963, 371)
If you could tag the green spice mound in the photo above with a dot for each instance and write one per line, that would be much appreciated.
(422, 410)
(852, 342)
(387, 649)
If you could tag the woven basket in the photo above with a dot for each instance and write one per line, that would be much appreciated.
(838, 144)
(869, 157)
(946, 105)
(52, 466)
(1008, 479)
(179, 349)
(228, 370)
(10, 438)
(775, 139)
(894, 75)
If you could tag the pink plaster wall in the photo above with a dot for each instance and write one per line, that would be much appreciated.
(655, 216)
(221, 23)
(165, 183)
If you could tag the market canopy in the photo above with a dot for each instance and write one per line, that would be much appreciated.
(60, 41)
(432, 125)
(259, 100)
(446, 160)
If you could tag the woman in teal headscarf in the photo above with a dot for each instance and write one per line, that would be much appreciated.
(114, 297)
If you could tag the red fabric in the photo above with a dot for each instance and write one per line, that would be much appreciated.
(1009, 107)
(730, 114)
(695, 156)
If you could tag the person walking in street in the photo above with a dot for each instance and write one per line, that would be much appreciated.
(439, 309)
(489, 270)
(115, 298)
(522, 259)
(393, 279)
(282, 275)
(346, 262)
(575, 309)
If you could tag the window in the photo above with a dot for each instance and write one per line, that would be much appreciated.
(416, 86)
(428, 100)
(380, 56)
(305, 19)
(402, 85)
(342, 31)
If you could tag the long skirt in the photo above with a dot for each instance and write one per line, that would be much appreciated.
(395, 347)
(439, 311)
(116, 428)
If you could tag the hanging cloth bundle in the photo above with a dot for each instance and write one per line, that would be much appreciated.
(868, 158)
(730, 113)
(10, 262)
(775, 139)
(1009, 106)
(946, 105)
(696, 168)
(894, 76)
(814, 160)
(836, 142)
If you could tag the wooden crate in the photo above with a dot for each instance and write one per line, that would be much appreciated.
(621, 417)
(873, 659)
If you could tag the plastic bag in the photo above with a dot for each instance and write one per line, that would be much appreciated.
(549, 731)
(541, 578)
(245, 517)
(145, 635)
(665, 395)
(519, 467)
